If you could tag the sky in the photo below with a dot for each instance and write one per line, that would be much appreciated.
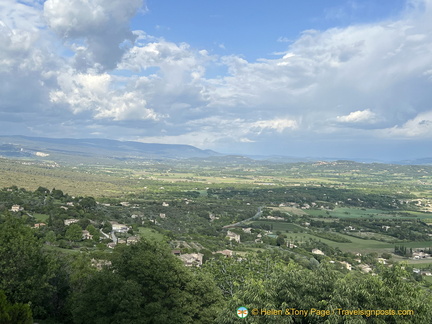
(312, 78)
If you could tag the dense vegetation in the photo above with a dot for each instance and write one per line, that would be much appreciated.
(50, 273)
(145, 283)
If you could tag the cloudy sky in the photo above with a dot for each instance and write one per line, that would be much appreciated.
(341, 78)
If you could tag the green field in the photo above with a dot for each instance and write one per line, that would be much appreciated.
(290, 210)
(41, 217)
(150, 234)
(419, 264)
(359, 245)
(374, 236)
(294, 232)
(363, 246)
(58, 249)
(346, 212)
(425, 244)
(303, 237)
(280, 226)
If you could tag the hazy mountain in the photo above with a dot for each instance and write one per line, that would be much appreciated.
(67, 149)
(422, 161)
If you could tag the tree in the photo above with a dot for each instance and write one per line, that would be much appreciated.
(73, 233)
(107, 227)
(391, 289)
(17, 313)
(280, 240)
(167, 287)
(42, 191)
(106, 297)
(292, 286)
(50, 237)
(25, 270)
(94, 232)
(88, 202)
(57, 194)
(146, 284)
(83, 222)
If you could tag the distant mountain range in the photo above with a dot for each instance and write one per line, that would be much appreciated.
(72, 151)
(97, 149)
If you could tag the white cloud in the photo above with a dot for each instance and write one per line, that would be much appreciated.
(96, 93)
(174, 61)
(217, 130)
(275, 124)
(418, 127)
(359, 116)
(103, 24)
(246, 140)
(78, 60)
(282, 39)
(27, 67)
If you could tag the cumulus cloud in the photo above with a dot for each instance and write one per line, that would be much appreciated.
(359, 116)
(95, 28)
(95, 93)
(78, 60)
(418, 127)
(27, 67)
(177, 63)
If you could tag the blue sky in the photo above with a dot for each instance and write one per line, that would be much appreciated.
(254, 29)
(347, 79)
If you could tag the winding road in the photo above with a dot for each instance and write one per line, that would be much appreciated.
(257, 215)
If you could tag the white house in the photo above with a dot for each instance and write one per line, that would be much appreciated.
(192, 259)
(132, 240)
(86, 235)
(233, 236)
(119, 228)
(16, 208)
(69, 221)
(346, 265)
(227, 253)
(317, 251)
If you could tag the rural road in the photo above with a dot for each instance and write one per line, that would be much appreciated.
(257, 215)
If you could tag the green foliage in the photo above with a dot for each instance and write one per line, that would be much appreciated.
(17, 313)
(88, 202)
(231, 274)
(93, 231)
(390, 290)
(107, 227)
(42, 191)
(74, 233)
(50, 237)
(280, 240)
(57, 194)
(25, 271)
(145, 284)
(106, 297)
(291, 286)
(403, 250)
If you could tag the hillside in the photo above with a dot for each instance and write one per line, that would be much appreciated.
(94, 150)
